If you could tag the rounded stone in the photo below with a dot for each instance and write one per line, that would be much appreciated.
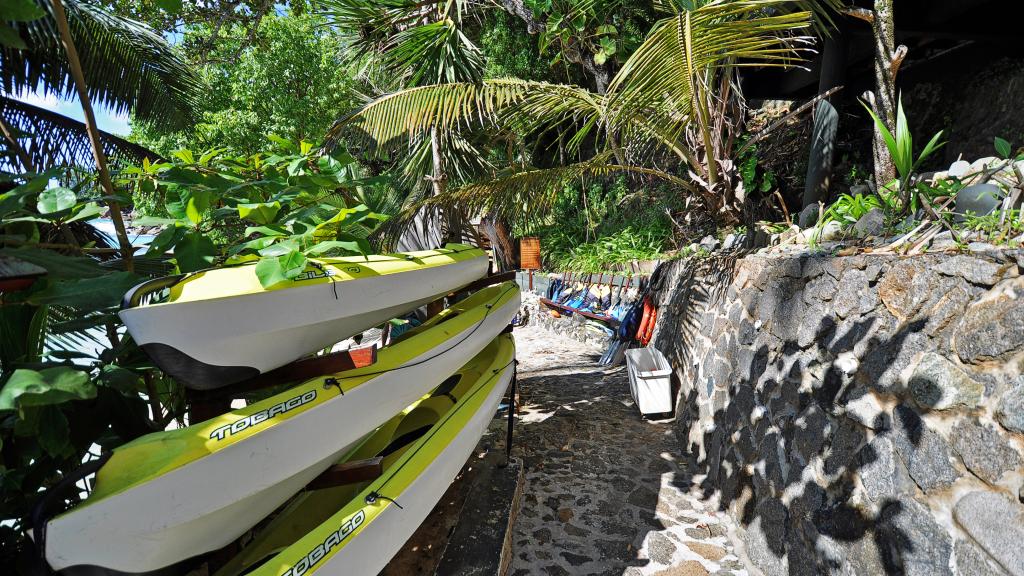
(1010, 411)
(996, 523)
(939, 384)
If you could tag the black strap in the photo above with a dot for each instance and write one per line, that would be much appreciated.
(134, 297)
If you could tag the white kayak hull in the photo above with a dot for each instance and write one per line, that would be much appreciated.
(210, 343)
(207, 503)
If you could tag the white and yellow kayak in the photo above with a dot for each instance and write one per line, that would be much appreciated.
(221, 326)
(173, 495)
(356, 529)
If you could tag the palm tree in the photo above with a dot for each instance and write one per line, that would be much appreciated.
(677, 93)
(412, 44)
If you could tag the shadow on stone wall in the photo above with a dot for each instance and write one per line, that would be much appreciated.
(799, 416)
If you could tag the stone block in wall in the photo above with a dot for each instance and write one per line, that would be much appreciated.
(912, 542)
(883, 475)
(1010, 411)
(766, 537)
(983, 450)
(926, 454)
(843, 446)
(899, 292)
(820, 289)
(882, 364)
(977, 269)
(939, 384)
(854, 296)
(993, 326)
(812, 428)
(970, 559)
(996, 523)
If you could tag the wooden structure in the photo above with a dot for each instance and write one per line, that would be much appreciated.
(529, 255)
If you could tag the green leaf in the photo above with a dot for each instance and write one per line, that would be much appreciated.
(165, 239)
(262, 213)
(185, 156)
(120, 378)
(58, 265)
(266, 231)
(91, 293)
(280, 249)
(14, 199)
(345, 217)
(284, 143)
(295, 165)
(194, 252)
(20, 10)
(86, 211)
(9, 37)
(350, 246)
(198, 203)
(54, 435)
(1003, 147)
(45, 387)
(273, 271)
(607, 46)
(256, 244)
(607, 29)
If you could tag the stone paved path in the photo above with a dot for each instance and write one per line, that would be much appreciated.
(605, 492)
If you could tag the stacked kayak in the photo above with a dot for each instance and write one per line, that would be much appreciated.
(172, 495)
(221, 326)
(358, 528)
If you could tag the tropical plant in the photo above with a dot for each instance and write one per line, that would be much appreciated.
(676, 93)
(847, 209)
(901, 148)
(26, 120)
(282, 209)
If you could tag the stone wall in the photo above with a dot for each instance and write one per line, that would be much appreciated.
(571, 326)
(856, 415)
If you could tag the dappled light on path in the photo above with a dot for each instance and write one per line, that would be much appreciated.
(601, 489)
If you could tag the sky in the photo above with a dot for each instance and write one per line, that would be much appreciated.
(105, 119)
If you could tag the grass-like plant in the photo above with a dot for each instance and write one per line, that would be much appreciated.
(901, 149)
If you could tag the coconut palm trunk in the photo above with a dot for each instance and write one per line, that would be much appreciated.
(94, 134)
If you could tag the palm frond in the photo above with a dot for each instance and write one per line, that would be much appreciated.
(51, 139)
(436, 52)
(660, 76)
(128, 67)
(463, 160)
(528, 195)
(531, 105)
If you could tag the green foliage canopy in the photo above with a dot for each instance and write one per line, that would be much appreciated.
(290, 82)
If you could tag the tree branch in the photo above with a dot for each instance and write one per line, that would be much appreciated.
(860, 13)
